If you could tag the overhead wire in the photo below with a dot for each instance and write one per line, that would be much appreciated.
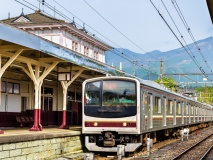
(133, 61)
(178, 30)
(67, 18)
(199, 67)
(61, 14)
(178, 10)
(108, 23)
(118, 29)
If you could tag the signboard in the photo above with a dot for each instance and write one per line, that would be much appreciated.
(64, 76)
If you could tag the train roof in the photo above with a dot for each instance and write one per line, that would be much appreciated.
(162, 88)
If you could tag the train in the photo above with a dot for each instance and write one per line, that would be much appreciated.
(126, 111)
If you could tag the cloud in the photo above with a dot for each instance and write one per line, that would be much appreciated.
(185, 62)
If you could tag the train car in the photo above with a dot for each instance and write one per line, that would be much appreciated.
(125, 111)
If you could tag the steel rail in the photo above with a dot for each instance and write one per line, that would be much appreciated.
(205, 154)
(190, 148)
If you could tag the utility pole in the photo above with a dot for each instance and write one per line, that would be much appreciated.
(161, 71)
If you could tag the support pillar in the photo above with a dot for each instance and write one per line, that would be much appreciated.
(6, 65)
(65, 85)
(35, 126)
(38, 80)
(64, 119)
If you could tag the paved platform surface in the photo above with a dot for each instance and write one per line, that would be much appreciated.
(23, 134)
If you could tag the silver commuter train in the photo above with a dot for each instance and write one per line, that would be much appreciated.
(121, 110)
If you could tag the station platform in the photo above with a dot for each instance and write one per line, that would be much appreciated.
(13, 135)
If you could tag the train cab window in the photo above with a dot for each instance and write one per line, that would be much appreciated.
(110, 99)
(92, 93)
(118, 93)
(157, 105)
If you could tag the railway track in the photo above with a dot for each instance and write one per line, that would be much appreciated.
(167, 149)
(198, 150)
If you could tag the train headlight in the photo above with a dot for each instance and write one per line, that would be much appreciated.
(95, 124)
(124, 124)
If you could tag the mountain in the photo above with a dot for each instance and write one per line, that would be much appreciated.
(191, 59)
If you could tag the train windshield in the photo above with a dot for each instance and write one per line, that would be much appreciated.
(110, 98)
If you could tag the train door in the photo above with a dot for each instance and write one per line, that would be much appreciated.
(143, 110)
(142, 113)
(150, 111)
(148, 107)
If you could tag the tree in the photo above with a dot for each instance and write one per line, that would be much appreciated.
(205, 94)
(168, 83)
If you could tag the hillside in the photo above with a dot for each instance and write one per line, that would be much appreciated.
(174, 61)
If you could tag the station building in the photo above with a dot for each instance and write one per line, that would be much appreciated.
(44, 61)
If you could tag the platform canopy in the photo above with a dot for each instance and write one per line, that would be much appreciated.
(43, 52)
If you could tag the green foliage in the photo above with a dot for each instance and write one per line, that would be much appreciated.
(205, 94)
(168, 83)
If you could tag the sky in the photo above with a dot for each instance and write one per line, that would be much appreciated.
(130, 24)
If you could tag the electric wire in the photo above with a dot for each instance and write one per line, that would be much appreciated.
(61, 14)
(200, 68)
(118, 29)
(67, 18)
(178, 30)
(108, 23)
(178, 10)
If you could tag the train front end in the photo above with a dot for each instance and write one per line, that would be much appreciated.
(111, 116)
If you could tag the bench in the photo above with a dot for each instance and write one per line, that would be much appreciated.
(24, 120)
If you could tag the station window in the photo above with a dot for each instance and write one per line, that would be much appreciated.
(78, 96)
(48, 91)
(3, 86)
(86, 51)
(70, 95)
(96, 55)
(75, 46)
(70, 99)
(23, 103)
(48, 103)
(13, 88)
(47, 99)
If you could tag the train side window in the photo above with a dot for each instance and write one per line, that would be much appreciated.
(178, 109)
(192, 110)
(170, 103)
(157, 105)
(186, 109)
